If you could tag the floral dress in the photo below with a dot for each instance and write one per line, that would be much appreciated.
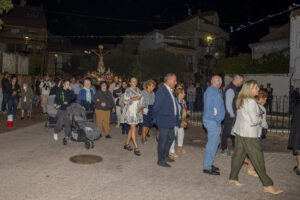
(131, 113)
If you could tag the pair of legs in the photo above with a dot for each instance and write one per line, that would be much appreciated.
(179, 133)
(63, 121)
(12, 105)
(44, 98)
(165, 139)
(213, 140)
(252, 148)
(4, 101)
(23, 111)
(228, 124)
(132, 136)
(145, 131)
(103, 117)
(119, 113)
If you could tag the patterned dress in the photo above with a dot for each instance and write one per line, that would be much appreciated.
(131, 113)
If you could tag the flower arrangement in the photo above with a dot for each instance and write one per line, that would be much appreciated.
(97, 76)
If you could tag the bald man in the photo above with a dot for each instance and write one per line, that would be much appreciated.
(214, 113)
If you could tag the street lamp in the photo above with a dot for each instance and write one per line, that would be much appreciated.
(55, 63)
(209, 56)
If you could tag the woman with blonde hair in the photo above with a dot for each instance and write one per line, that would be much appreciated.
(248, 131)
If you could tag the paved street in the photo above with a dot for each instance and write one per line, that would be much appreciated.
(33, 166)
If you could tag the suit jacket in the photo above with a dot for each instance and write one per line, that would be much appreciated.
(163, 109)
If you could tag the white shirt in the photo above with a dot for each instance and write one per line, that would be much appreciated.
(43, 87)
(173, 98)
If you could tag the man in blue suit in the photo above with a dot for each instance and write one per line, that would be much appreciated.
(165, 115)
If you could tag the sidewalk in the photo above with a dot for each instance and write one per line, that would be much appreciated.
(33, 166)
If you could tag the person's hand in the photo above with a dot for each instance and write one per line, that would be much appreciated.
(134, 98)
(14, 93)
(70, 88)
(113, 110)
(233, 116)
(65, 102)
(188, 112)
(98, 100)
(103, 104)
(141, 110)
(261, 116)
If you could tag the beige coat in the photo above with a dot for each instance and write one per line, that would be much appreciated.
(28, 94)
(248, 120)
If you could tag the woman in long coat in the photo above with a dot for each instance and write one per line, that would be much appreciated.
(294, 139)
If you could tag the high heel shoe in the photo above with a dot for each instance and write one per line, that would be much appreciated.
(137, 152)
(127, 147)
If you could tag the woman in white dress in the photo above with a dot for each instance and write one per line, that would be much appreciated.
(132, 113)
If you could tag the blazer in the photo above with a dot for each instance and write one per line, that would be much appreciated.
(248, 120)
(163, 109)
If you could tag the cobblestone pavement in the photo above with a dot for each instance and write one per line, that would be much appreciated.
(33, 166)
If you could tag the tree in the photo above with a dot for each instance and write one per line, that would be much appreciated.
(243, 64)
(33, 67)
(119, 62)
(154, 64)
(5, 6)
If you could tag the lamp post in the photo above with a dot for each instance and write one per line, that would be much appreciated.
(26, 38)
(209, 56)
(55, 63)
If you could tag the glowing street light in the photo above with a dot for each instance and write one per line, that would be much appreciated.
(209, 39)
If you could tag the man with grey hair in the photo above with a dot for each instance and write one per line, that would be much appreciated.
(166, 117)
(230, 97)
(213, 115)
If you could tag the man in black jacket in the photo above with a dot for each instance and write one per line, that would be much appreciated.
(5, 84)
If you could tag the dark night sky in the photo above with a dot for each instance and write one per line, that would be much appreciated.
(231, 12)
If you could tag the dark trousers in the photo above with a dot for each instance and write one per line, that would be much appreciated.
(12, 105)
(125, 128)
(63, 121)
(269, 106)
(228, 124)
(252, 148)
(165, 140)
(4, 101)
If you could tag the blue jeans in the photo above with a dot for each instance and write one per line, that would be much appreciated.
(165, 139)
(12, 105)
(213, 140)
(4, 101)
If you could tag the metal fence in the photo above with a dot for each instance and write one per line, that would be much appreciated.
(279, 113)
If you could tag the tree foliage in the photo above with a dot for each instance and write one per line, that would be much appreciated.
(5, 6)
(33, 67)
(154, 64)
(119, 62)
(243, 64)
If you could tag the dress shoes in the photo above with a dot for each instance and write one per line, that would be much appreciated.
(163, 164)
(214, 168)
(211, 172)
(168, 159)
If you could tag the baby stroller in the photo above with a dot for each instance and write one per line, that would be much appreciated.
(51, 113)
(83, 129)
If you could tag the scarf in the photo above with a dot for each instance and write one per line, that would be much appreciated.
(88, 95)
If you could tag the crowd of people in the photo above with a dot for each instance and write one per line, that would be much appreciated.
(238, 114)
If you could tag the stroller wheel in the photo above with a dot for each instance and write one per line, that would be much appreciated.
(64, 141)
(87, 145)
(92, 145)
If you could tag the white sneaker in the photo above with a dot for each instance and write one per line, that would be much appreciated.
(55, 136)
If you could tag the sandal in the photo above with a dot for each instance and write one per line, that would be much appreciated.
(234, 182)
(137, 152)
(272, 190)
(252, 173)
(127, 147)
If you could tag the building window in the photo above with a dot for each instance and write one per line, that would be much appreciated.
(29, 48)
(11, 48)
(32, 32)
(19, 48)
(38, 50)
(201, 42)
(298, 40)
(15, 30)
(2, 46)
(33, 13)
